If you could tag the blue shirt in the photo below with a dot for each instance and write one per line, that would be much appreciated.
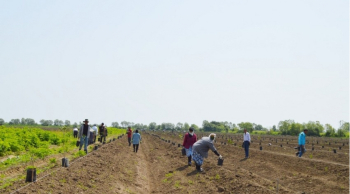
(301, 140)
(136, 138)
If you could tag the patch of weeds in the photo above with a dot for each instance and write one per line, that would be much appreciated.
(177, 184)
(165, 181)
(294, 174)
(326, 168)
(310, 156)
(4, 186)
(190, 182)
(52, 160)
(169, 175)
(217, 177)
(79, 154)
(63, 181)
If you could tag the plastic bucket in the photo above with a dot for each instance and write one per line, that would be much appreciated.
(220, 162)
(31, 175)
(65, 162)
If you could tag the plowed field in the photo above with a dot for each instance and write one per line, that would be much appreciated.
(159, 167)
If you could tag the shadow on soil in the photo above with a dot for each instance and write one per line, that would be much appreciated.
(182, 168)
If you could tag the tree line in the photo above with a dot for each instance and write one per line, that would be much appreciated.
(286, 127)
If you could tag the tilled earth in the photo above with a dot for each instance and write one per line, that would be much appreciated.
(158, 167)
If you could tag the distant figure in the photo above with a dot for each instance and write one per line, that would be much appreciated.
(129, 132)
(75, 132)
(103, 132)
(92, 136)
(189, 139)
(301, 143)
(246, 143)
(136, 139)
(84, 135)
(201, 148)
(95, 131)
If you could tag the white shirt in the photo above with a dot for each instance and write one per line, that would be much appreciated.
(246, 136)
(75, 129)
(95, 129)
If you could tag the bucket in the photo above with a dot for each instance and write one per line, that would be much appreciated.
(313, 148)
(183, 151)
(65, 162)
(335, 151)
(31, 175)
(260, 147)
(178, 145)
(96, 147)
(220, 162)
(78, 143)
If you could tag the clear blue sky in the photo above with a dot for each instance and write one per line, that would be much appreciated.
(175, 61)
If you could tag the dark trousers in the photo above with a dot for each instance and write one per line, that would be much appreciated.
(75, 134)
(136, 147)
(246, 148)
(129, 140)
(103, 138)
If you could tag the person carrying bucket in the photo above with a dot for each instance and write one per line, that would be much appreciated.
(301, 143)
(136, 139)
(129, 132)
(189, 139)
(201, 148)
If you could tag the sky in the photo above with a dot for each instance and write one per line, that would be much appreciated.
(175, 61)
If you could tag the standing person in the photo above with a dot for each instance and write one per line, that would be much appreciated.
(201, 148)
(136, 139)
(103, 132)
(84, 135)
(246, 142)
(301, 143)
(95, 131)
(189, 139)
(129, 132)
(75, 132)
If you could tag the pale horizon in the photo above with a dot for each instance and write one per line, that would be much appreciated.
(142, 62)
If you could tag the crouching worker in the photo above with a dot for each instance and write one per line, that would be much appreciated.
(201, 148)
(189, 139)
(136, 139)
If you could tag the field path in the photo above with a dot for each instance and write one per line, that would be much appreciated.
(159, 168)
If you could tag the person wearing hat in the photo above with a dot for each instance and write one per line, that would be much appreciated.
(201, 148)
(84, 135)
(189, 139)
(136, 139)
(102, 132)
(129, 132)
(301, 143)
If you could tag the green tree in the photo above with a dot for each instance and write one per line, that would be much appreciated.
(330, 131)
(2, 121)
(345, 126)
(152, 126)
(195, 127)
(246, 125)
(67, 123)
(186, 126)
(115, 124)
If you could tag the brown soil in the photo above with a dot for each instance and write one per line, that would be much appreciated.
(158, 167)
